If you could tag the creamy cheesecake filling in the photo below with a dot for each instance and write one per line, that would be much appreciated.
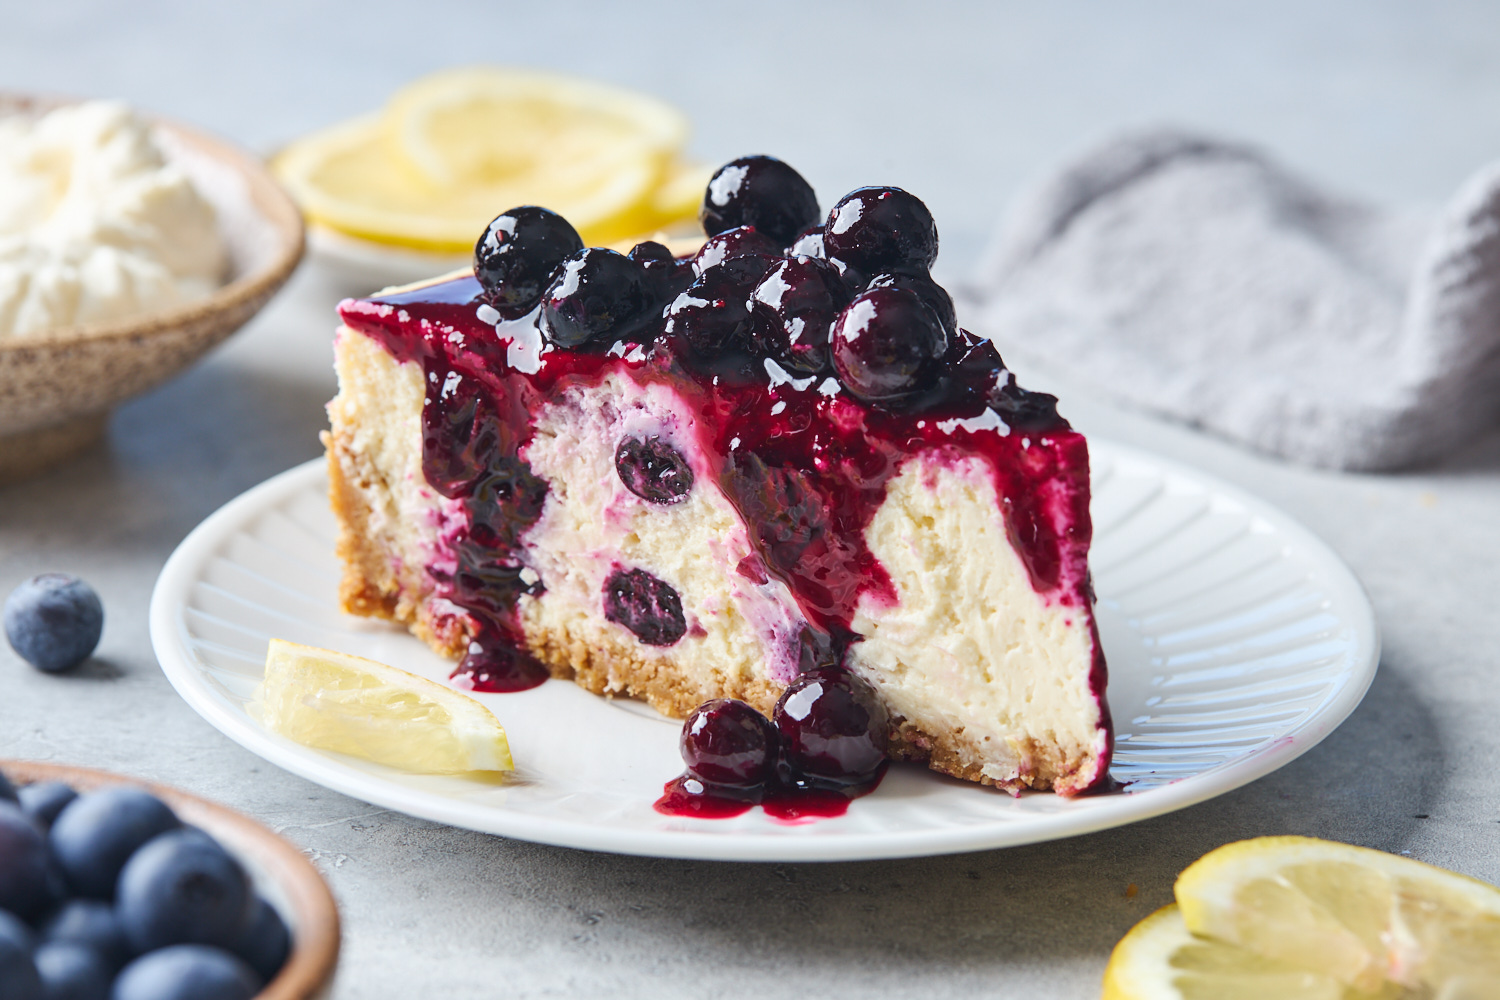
(741, 633)
(968, 648)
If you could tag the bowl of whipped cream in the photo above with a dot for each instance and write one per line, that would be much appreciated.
(129, 246)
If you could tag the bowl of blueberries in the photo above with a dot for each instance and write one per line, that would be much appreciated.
(114, 889)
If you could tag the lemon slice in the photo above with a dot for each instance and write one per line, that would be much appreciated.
(333, 701)
(1161, 960)
(453, 150)
(486, 126)
(1298, 918)
(1364, 918)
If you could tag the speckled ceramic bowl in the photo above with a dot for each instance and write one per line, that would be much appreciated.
(281, 874)
(56, 389)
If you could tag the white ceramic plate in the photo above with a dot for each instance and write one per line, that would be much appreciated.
(1236, 641)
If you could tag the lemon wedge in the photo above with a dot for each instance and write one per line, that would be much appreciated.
(333, 701)
(1298, 917)
(454, 149)
(1160, 959)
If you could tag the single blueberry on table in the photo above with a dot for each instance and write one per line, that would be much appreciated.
(265, 942)
(72, 971)
(181, 887)
(43, 800)
(727, 742)
(186, 972)
(8, 792)
(96, 834)
(25, 888)
(92, 923)
(53, 621)
(759, 191)
(517, 254)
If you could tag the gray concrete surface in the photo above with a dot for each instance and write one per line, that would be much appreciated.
(959, 102)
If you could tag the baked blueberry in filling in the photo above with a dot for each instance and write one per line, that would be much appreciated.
(653, 470)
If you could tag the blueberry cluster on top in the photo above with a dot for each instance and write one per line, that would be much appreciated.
(849, 294)
(109, 896)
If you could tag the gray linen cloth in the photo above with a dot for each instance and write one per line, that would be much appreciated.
(1200, 279)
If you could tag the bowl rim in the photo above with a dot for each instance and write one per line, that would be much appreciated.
(269, 197)
(316, 941)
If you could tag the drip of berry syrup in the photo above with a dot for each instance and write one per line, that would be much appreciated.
(687, 796)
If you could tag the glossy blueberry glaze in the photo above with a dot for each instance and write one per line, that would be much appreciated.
(687, 796)
(804, 462)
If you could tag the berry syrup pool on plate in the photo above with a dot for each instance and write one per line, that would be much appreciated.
(823, 747)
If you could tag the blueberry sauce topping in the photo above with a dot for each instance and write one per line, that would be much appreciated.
(793, 307)
(803, 453)
(653, 470)
(876, 230)
(517, 254)
(596, 294)
(759, 191)
(646, 605)
(887, 345)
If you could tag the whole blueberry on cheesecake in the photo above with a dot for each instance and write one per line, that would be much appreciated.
(876, 230)
(595, 295)
(794, 305)
(933, 295)
(886, 344)
(743, 252)
(517, 254)
(759, 191)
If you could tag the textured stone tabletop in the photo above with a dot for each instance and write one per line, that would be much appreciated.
(959, 104)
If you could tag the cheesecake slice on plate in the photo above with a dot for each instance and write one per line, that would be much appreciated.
(683, 479)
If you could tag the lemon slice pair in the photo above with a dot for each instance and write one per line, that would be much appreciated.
(1296, 918)
(453, 150)
(350, 705)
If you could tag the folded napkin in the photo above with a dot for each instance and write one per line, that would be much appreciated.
(1200, 279)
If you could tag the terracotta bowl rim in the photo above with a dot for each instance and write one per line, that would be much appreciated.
(270, 199)
(314, 957)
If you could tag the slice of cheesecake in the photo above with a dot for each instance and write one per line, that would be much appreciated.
(681, 480)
